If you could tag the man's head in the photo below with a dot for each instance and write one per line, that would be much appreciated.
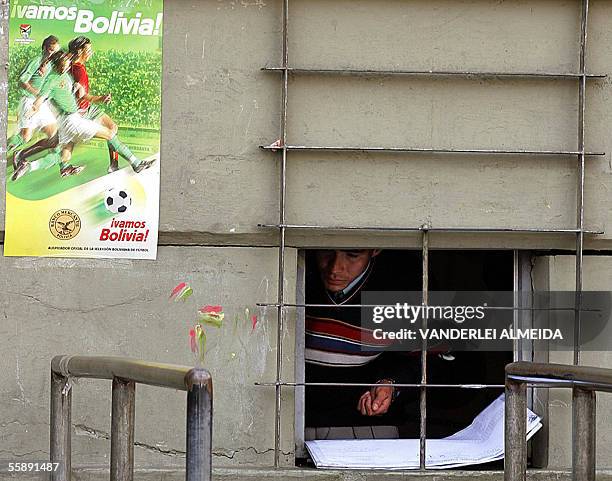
(61, 61)
(50, 45)
(338, 268)
(80, 48)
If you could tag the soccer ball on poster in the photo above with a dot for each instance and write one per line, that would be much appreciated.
(117, 201)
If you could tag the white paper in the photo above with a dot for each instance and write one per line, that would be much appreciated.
(480, 442)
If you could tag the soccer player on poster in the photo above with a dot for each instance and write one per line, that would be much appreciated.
(81, 51)
(73, 127)
(83, 122)
(30, 80)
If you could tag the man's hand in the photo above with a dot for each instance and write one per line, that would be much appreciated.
(376, 401)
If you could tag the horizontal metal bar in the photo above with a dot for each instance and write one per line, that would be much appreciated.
(491, 308)
(102, 367)
(316, 148)
(487, 230)
(361, 384)
(560, 374)
(560, 383)
(433, 73)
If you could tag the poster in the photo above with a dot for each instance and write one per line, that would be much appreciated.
(84, 116)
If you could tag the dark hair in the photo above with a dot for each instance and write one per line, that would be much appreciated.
(57, 57)
(50, 40)
(77, 44)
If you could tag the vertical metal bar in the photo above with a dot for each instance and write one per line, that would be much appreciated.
(517, 344)
(423, 392)
(60, 427)
(515, 436)
(199, 425)
(281, 248)
(122, 430)
(580, 189)
(583, 435)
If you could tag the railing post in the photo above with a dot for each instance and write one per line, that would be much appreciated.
(515, 457)
(583, 435)
(122, 430)
(60, 427)
(199, 425)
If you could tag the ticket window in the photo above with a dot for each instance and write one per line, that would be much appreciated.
(329, 412)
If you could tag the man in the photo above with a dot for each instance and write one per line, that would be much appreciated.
(339, 350)
(81, 50)
(30, 80)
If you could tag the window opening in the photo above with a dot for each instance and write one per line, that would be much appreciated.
(331, 354)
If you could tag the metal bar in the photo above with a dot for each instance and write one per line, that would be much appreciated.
(470, 230)
(281, 248)
(561, 383)
(529, 381)
(517, 345)
(60, 427)
(313, 148)
(433, 73)
(103, 367)
(583, 435)
(199, 425)
(560, 372)
(494, 308)
(361, 384)
(423, 393)
(515, 436)
(580, 188)
(122, 430)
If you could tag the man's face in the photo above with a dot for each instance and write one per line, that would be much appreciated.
(87, 52)
(51, 49)
(338, 268)
(63, 64)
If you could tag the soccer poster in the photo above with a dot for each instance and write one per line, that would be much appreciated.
(84, 117)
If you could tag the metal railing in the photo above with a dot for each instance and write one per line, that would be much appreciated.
(584, 382)
(125, 374)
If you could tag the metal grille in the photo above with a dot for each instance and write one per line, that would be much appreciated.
(282, 149)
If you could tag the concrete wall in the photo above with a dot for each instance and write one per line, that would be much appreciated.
(218, 107)
(57, 306)
(558, 273)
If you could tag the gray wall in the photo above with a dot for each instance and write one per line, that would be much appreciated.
(556, 273)
(217, 185)
(62, 306)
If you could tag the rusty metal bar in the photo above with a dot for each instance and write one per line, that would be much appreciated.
(288, 305)
(515, 436)
(103, 367)
(466, 230)
(584, 381)
(434, 73)
(581, 174)
(423, 388)
(396, 384)
(315, 148)
(282, 234)
(60, 427)
(125, 373)
(583, 434)
(199, 425)
(594, 378)
(122, 430)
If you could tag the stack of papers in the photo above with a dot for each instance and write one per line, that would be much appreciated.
(480, 442)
